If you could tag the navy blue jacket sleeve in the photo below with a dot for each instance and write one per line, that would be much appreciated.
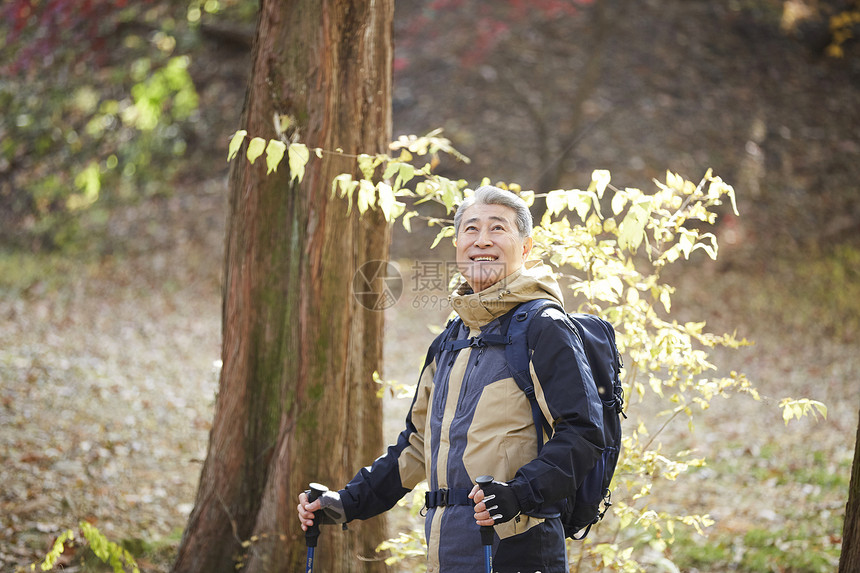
(562, 375)
(376, 488)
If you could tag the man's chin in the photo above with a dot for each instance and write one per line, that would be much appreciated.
(484, 272)
(481, 283)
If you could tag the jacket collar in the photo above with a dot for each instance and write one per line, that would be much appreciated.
(531, 281)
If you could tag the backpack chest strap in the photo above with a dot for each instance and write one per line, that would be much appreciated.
(481, 341)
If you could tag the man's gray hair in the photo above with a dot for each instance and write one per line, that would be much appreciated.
(490, 195)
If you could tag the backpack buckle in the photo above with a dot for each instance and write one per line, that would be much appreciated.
(436, 498)
(477, 342)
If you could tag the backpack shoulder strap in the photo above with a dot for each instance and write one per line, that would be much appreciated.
(439, 343)
(518, 355)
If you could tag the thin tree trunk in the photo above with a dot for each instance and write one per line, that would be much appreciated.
(297, 402)
(849, 561)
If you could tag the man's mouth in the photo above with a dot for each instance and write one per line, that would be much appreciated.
(483, 258)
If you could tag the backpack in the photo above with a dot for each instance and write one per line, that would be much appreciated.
(583, 509)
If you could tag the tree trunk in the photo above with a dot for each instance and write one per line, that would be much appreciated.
(849, 561)
(297, 402)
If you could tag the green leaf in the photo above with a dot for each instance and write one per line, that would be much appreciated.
(449, 193)
(89, 182)
(274, 154)
(235, 143)
(407, 172)
(447, 231)
(255, 149)
(390, 169)
(299, 156)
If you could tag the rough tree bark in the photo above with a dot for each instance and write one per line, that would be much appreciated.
(297, 402)
(849, 560)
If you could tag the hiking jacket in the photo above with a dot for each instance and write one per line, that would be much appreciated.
(469, 418)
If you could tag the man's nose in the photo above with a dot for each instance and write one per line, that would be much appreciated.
(484, 239)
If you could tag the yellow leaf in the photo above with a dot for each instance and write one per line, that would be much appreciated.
(274, 154)
(666, 299)
(235, 143)
(255, 149)
(387, 202)
(298, 157)
(528, 197)
(631, 231)
(619, 200)
(599, 180)
(366, 196)
(580, 203)
(556, 201)
(447, 231)
(406, 220)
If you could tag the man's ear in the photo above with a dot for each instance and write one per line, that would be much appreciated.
(528, 243)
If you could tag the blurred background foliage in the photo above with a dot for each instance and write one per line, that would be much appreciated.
(100, 112)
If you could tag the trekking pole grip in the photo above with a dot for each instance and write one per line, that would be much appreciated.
(313, 531)
(486, 530)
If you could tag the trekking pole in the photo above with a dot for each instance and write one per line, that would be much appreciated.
(486, 530)
(313, 532)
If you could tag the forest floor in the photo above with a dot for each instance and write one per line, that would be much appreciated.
(110, 369)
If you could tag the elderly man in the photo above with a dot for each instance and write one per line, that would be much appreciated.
(470, 418)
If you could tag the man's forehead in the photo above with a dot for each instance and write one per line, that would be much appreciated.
(491, 212)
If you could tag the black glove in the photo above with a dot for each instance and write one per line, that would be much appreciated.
(331, 509)
(500, 501)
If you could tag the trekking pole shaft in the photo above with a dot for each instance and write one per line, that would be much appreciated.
(487, 531)
(313, 532)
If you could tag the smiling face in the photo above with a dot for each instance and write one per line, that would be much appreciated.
(489, 246)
